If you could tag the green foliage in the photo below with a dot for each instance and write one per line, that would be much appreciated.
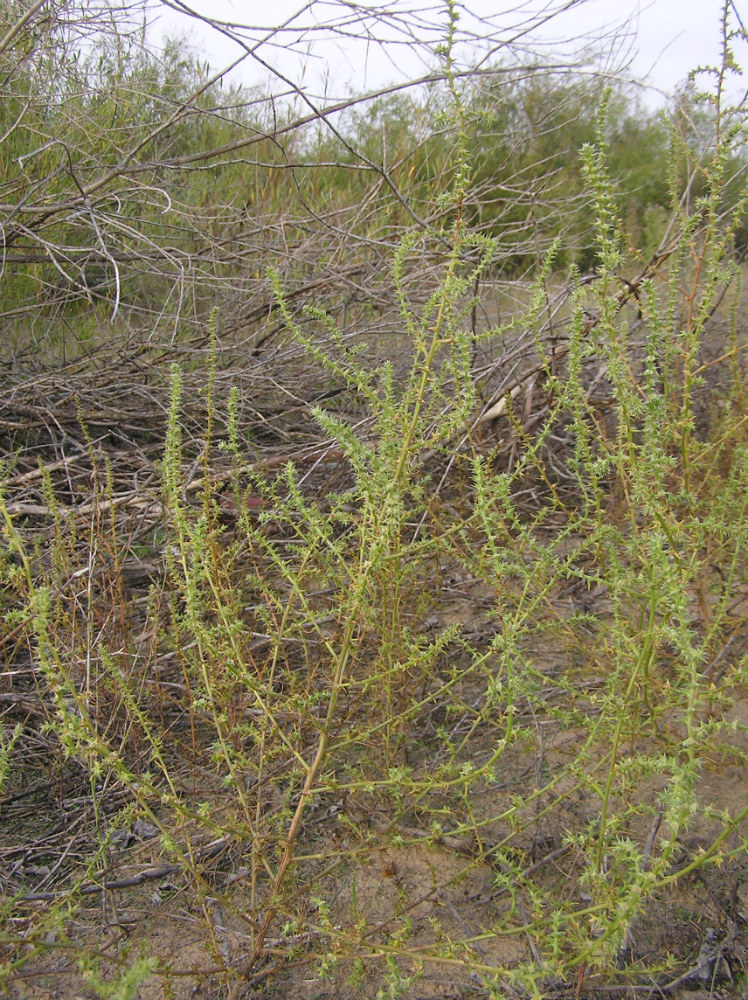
(164, 164)
(306, 683)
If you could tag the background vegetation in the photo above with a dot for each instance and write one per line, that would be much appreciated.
(374, 580)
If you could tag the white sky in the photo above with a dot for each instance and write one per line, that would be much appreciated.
(667, 38)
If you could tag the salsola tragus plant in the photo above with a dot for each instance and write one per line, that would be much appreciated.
(456, 715)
